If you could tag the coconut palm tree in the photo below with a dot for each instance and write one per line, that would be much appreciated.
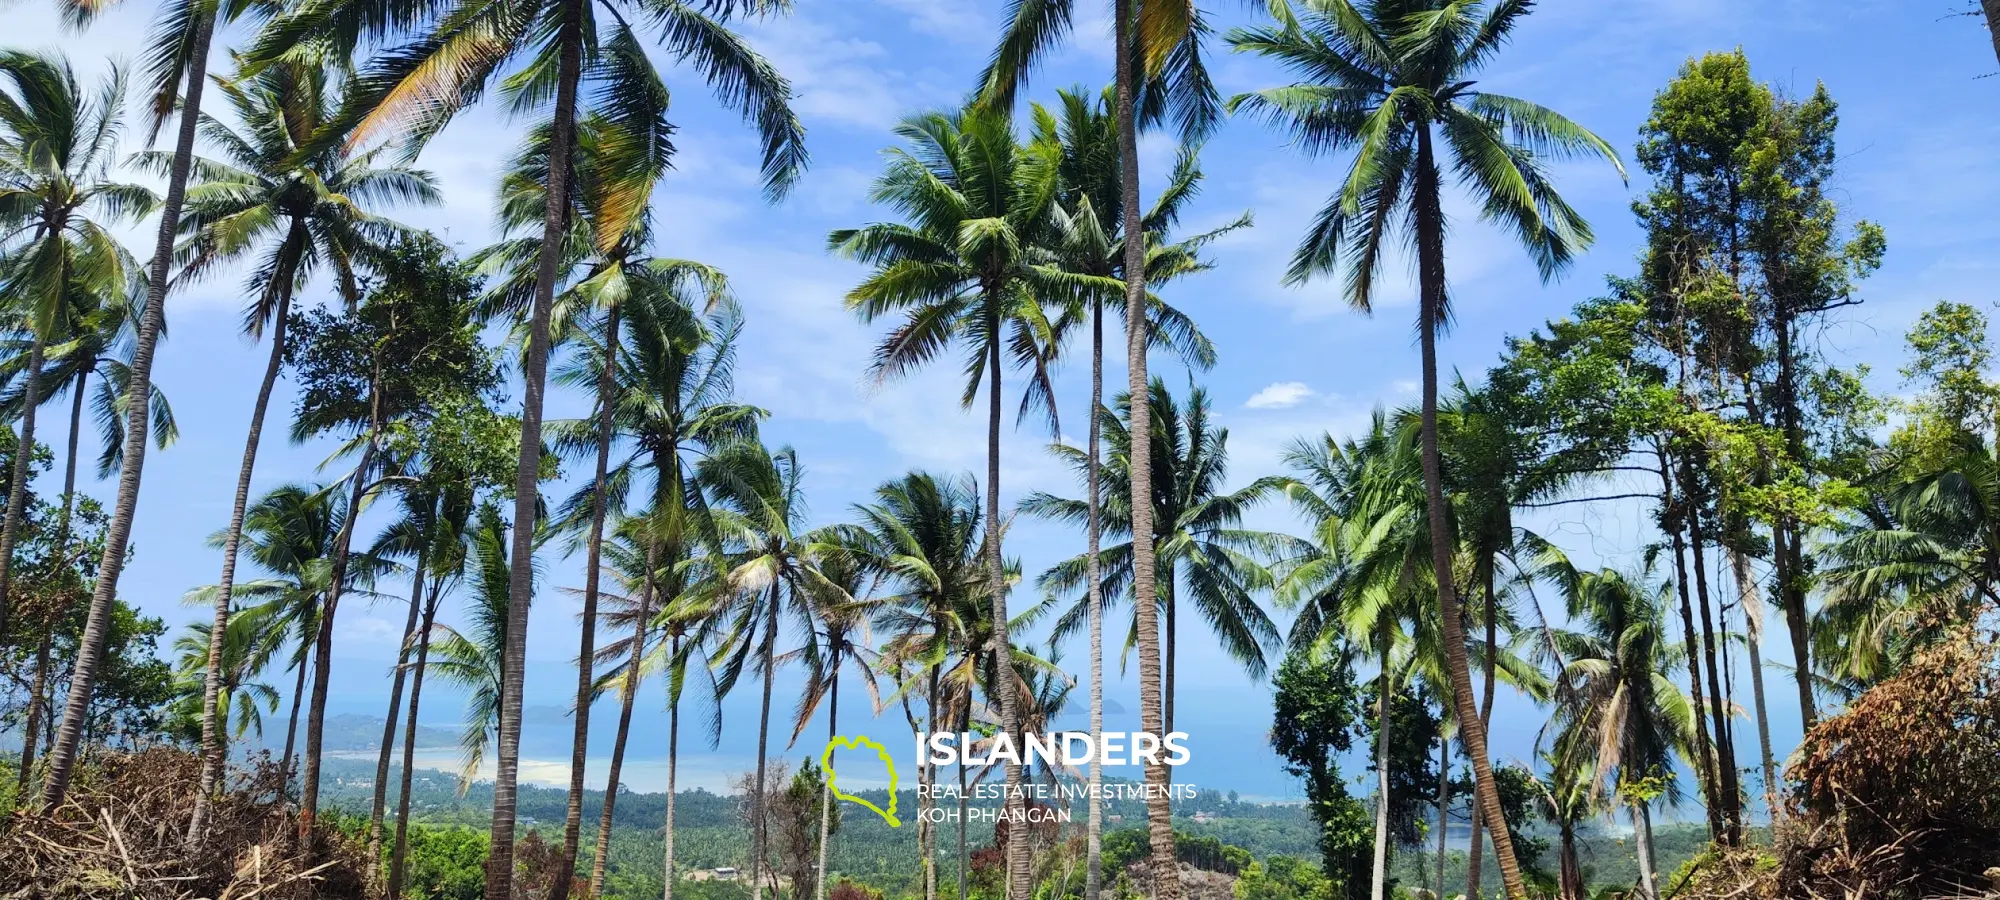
(177, 66)
(963, 269)
(57, 146)
(1158, 72)
(448, 510)
(1389, 81)
(1621, 716)
(772, 574)
(922, 537)
(243, 698)
(1205, 555)
(542, 55)
(842, 641)
(474, 656)
(298, 215)
(1566, 799)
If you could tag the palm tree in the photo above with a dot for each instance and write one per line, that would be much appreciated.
(454, 52)
(248, 647)
(1204, 553)
(57, 147)
(1158, 71)
(1566, 799)
(772, 574)
(298, 215)
(963, 269)
(922, 537)
(448, 512)
(177, 63)
(840, 639)
(1387, 80)
(1619, 714)
(474, 656)
(1361, 578)
(1923, 554)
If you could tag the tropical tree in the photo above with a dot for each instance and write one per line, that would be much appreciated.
(841, 641)
(923, 538)
(963, 270)
(772, 575)
(243, 699)
(474, 656)
(548, 51)
(1388, 81)
(1204, 554)
(1158, 72)
(1620, 718)
(280, 192)
(57, 146)
(177, 70)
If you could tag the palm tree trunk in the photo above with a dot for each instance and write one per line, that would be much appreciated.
(1992, 10)
(17, 485)
(375, 808)
(1444, 805)
(1642, 838)
(298, 703)
(1093, 871)
(1379, 880)
(527, 476)
(587, 646)
(37, 696)
(1159, 812)
(118, 532)
(213, 758)
(1572, 871)
(1431, 278)
(323, 654)
(927, 836)
(398, 855)
(602, 855)
(1753, 623)
(759, 831)
(1015, 810)
(964, 852)
(826, 793)
(673, 765)
(1729, 797)
(1167, 603)
(1472, 858)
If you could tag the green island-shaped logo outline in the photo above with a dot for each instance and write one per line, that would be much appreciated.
(856, 743)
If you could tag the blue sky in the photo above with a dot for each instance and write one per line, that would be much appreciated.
(1918, 154)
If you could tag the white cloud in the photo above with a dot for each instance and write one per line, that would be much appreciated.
(1282, 395)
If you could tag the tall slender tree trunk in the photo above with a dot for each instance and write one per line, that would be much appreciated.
(1145, 595)
(1649, 877)
(1729, 797)
(139, 390)
(927, 839)
(527, 476)
(759, 828)
(1571, 874)
(1444, 806)
(399, 853)
(601, 857)
(1787, 537)
(964, 859)
(1472, 857)
(38, 696)
(1167, 605)
(673, 765)
(212, 757)
(1705, 755)
(323, 654)
(1992, 10)
(1015, 808)
(826, 792)
(1753, 623)
(1431, 279)
(299, 701)
(17, 485)
(380, 800)
(1093, 872)
(587, 646)
(1378, 884)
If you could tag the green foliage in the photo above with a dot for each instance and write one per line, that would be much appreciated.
(1318, 709)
